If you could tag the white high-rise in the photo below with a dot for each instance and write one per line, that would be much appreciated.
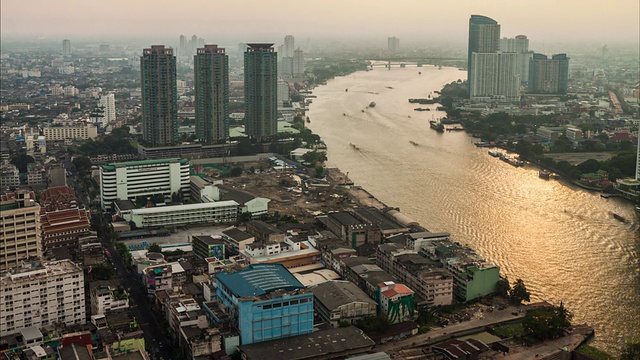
(289, 46)
(495, 76)
(298, 63)
(519, 45)
(108, 103)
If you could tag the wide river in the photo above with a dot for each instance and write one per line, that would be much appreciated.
(561, 240)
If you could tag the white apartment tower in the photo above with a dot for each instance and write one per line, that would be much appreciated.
(495, 76)
(129, 180)
(39, 294)
(298, 63)
(21, 238)
(108, 103)
(289, 46)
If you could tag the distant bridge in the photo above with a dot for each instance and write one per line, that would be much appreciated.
(401, 62)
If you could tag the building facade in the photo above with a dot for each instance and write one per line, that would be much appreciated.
(393, 44)
(298, 63)
(41, 294)
(20, 229)
(266, 303)
(61, 133)
(548, 76)
(342, 301)
(261, 91)
(159, 96)
(211, 66)
(519, 45)
(495, 76)
(484, 37)
(204, 213)
(64, 227)
(128, 180)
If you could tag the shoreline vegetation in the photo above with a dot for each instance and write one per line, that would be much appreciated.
(517, 134)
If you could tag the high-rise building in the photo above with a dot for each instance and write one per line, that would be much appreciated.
(548, 76)
(519, 45)
(20, 225)
(494, 76)
(42, 294)
(182, 50)
(211, 66)
(484, 37)
(66, 47)
(108, 104)
(159, 96)
(289, 46)
(260, 91)
(283, 92)
(393, 44)
(193, 44)
(298, 63)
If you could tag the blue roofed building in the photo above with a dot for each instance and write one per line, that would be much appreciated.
(265, 301)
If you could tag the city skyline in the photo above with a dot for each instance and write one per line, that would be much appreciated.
(411, 20)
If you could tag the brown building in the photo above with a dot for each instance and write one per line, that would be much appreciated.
(63, 227)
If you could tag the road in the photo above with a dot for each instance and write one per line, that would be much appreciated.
(442, 334)
(147, 320)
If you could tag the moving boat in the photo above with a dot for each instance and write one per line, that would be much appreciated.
(543, 174)
(619, 217)
(372, 104)
(354, 146)
(413, 143)
(495, 153)
(436, 125)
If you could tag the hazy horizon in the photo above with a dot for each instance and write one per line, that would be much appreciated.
(413, 21)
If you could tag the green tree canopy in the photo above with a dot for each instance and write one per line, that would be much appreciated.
(155, 248)
(519, 293)
(547, 323)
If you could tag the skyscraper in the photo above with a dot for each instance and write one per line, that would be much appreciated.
(159, 96)
(393, 44)
(211, 66)
(260, 91)
(193, 45)
(548, 76)
(484, 37)
(298, 63)
(495, 76)
(289, 46)
(66, 47)
(519, 45)
(182, 50)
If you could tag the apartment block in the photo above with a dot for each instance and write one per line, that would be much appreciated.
(20, 229)
(39, 294)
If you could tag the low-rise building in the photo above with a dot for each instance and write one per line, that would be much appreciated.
(107, 295)
(396, 301)
(338, 302)
(236, 240)
(206, 246)
(167, 276)
(221, 212)
(289, 253)
(61, 133)
(264, 232)
(63, 227)
(266, 303)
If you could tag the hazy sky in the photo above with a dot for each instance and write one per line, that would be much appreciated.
(608, 21)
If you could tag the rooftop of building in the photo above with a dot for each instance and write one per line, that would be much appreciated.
(125, 205)
(237, 234)
(113, 166)
(395, 290)
(263, 227)
(229, 193)
(377, 217)
(38, 269)
(328, 343)
(185, 207)
(207, 239)
(334, 294)
(259, 279)
(427, 235)
(344, 218)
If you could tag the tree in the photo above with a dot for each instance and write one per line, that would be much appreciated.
(519, 293)
(503, 287)
(155, 248)
(21, 161)
(631, 351)
(319, 172)
(236, 171)
(589, 166)
(373, 324)
(82, 164)
(547, 323)
(102, 272)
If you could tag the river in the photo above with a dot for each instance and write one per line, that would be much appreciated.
(561, 240)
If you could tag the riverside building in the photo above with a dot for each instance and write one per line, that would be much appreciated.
(128, 180)
(40, 294)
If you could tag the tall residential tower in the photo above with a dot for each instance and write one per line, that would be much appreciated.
(261, 91)
(548, 76)
(159, 96)
(484, 37)
(211, 66)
